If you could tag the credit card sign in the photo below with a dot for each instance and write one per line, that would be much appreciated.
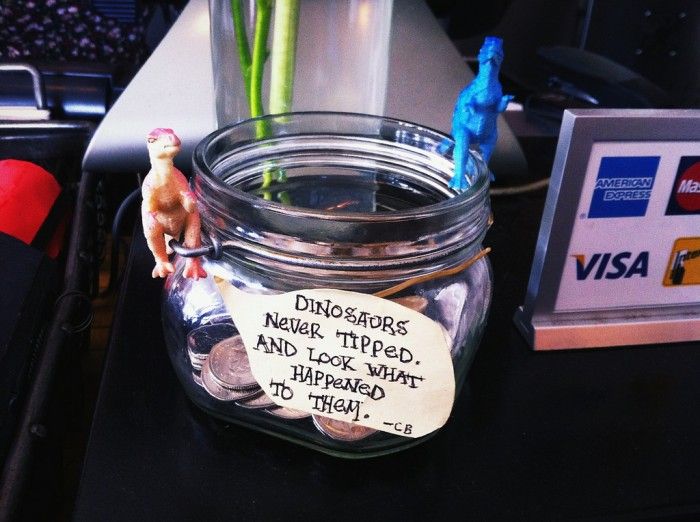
(617, 261)
(639, 207)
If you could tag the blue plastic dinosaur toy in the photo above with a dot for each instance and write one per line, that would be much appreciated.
(476, 110)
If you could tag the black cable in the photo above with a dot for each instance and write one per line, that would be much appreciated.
(116, 237)
(519, 189)
(70, 326)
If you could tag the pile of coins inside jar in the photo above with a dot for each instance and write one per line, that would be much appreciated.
(220, 365)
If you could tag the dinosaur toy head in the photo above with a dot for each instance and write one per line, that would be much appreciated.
(491, 51)
(162, 144)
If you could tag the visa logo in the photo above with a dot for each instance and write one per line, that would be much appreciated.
(609, 266)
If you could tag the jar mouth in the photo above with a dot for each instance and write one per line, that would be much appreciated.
(210, 163)
(389, 155)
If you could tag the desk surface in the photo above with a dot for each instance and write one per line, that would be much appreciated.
(533, 435)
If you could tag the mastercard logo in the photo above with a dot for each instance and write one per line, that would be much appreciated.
(685, 198)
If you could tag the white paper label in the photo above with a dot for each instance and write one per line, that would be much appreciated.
(347, 356)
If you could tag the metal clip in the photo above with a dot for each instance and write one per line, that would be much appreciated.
(214, 251)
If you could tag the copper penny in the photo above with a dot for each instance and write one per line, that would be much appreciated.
(257, 402)
(341, 430)
(414, 302)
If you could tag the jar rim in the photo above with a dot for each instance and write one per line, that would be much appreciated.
(446, 229)
(454, 201)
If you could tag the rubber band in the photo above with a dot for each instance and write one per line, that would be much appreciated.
(436, 275)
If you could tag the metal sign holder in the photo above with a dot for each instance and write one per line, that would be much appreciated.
(588, 287)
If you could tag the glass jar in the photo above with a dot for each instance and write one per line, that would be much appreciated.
(365, 206)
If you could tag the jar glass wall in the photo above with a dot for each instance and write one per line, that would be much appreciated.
(365, 205)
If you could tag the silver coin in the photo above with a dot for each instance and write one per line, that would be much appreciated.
(341, 430)
(287, 413)
(251, 388)
(197, 378)
(220, 392)
(229, 365)
(257, 402)
(414, 302)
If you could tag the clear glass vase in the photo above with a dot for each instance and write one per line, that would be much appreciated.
(342, 58)
(229, 90)
(365, 206)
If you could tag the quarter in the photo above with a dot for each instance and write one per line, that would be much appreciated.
(229, 365)
(220, 392)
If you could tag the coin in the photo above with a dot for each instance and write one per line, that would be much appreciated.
(197, 378)
(341, 430)
(258, 401)
(229, 365)
(287, 413)
(220, 392)
(414, 302)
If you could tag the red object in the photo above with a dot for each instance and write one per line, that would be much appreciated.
(688, 188)
(27, 194)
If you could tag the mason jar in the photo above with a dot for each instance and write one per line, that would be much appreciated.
(359, 206)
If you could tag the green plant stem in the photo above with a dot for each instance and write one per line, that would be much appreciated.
(284, 198)
(262, 29)
(268, 177)
(241, 35)
(253, 66)
(284, 40)
(283, 55)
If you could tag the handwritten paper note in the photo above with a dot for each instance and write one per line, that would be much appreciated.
(347, 356)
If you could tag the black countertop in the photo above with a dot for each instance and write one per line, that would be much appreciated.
(577, 434)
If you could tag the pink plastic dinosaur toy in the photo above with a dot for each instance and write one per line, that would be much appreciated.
(168, 205)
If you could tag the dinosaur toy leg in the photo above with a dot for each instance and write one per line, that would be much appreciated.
(459, 181)
(153, 231)
(193, 266)
(487, 147)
